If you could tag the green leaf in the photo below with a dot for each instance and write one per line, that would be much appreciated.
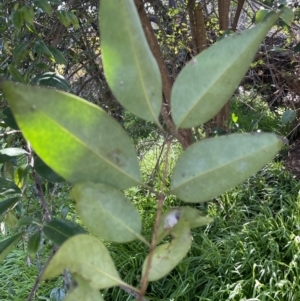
(83, 292)
(7, 153)
(167, 256)
(7, 245)
(59, 58)
(46, 172)
(8, 187)
(20, 52)
(44, 5)
(75, 138)
(170, 220)
(59, 230)
(20, 175)
(9, 119)
(130, 68)
(288, 116)
(25, 221)
(287, 15)
(297, 48)
(261, 15)
(52, 79)
(207, 82)
(212, 166)
(17, 19)
(63, 18)
(41, 48)
(11, 220)
(234, 118)
(107, 212)
(88, 257)
(73, 19)
(33, 244)
(15, 74)
(7, 204)
(28, 14)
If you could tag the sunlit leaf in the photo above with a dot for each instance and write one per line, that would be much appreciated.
(75, 138)
(86, 256)
(7, 204)
(207, 82)
(107, 212)
(83, 292)
(7, 245)
(33, 244)
(167, 256)
(59, 230)
(20, 175)
(130, 68)
(210, 167)
(7, 153)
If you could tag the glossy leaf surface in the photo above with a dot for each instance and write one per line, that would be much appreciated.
(107, 212)
(207, 82)
(59, 230)
(83, 292)
(7, 245)
(7, 153)
(167, 256)
(212, 166)
(7, 204)
(75, 138)
(8, 187)
(86, 256)
(130, 68)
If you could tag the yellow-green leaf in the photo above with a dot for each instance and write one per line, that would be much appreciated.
(86, 256)
(77, 139)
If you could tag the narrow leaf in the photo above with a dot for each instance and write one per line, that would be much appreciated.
(167, 256)
(41, 48)
(11, 220)
(20, 175)
(130, 68)
(7, 204)
(73, 19)
(83, 292)
(15, 74)
(207, 82)
(17, 19)
(28, 14)
(86, 256)
(59, 58)
(52, 79)
(107, 212)
(44, 5)
(63, 18)
(7, 153)
(7, 245)
(59, 230)
(75, 138)
(20, 52)
(212, 166)
(33, 244)
(8, 187)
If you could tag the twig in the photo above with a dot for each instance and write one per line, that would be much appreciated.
(161, 198)
(132, 292)
(39, 277)
(9, 133)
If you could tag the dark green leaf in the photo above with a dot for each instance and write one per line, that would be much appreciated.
(75, 138)
(73, 19)
(15, 74)
(88, 257)
(20, 52)
(25, 221)
(210, 167)
(20, 175)
(44, 5)
(297, 48)
(59, 230)
(17, 19)
(130, 68)
(63, 18)
(33, 244)
(52, 79)
(207, 82)
(46, 172)
(41, 48)
(7, 245)
(28, 14)
(9, 119)
(107, 212)
(7, 153)
(7, 204)
(59, 58)
(8, 187)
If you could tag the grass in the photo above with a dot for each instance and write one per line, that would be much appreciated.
(250, 251)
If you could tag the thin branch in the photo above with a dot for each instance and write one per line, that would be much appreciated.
(9, 133)
(161, 198)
